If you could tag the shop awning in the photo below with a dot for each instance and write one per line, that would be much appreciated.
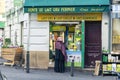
(2, 24)
(48, 6)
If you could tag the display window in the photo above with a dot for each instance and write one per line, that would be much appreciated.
(116, 36)
(74, 46)
(72, 38)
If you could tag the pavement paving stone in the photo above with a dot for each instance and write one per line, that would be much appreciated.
(20, 74)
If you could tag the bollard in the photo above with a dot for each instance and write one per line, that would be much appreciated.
(72, 68)
(27, 63)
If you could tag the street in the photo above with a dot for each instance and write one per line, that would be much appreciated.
(20, 74)
(52, 35)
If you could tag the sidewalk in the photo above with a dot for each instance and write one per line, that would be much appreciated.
(20, 74)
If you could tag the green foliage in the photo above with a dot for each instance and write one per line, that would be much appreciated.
(4, 46)
(7, 43)
(21, 45)
(105, 51)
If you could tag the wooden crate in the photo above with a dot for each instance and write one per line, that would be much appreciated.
(97, 67)
(11, 54)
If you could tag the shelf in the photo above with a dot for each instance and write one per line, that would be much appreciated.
(106, 65)
(110, 54)
(115, 43)
(109, 72)
(115, 54)
(105, 53)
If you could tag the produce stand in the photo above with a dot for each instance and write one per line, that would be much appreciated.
(110, 63)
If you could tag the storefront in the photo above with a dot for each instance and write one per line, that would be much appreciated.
(115, 28)
(81, 25)
(71, 32)
(72, 29)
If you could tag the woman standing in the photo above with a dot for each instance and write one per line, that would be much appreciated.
(60, 56)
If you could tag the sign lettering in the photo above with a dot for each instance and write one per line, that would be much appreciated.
(66, 9)
(70, 17)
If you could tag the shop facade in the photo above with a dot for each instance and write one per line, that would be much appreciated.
(83, 26)
(115, 15)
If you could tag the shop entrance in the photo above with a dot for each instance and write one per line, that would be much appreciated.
(92, 43)
(71, 33)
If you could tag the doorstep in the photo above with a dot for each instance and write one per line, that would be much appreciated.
(88, 69)
(51, 64)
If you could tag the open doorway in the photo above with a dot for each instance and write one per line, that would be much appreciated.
(71, 34)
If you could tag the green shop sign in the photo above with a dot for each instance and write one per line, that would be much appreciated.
(66, 9)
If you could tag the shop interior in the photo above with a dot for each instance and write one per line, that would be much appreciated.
(71, 34)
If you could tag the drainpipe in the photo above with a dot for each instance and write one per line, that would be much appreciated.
(110, 28)
(28, 49)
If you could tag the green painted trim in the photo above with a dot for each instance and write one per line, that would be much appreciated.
(64, 2)
(83, 42)
(2, 24)
(66, 9)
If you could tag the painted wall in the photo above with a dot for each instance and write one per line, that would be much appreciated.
(1, 33)
(105, 29)
(17, 34)
(7, 32)
(2, 6)
(21, 15)
(39, 34)
(15, 29)
(14, 20)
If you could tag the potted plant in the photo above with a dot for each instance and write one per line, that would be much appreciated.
(7, 43)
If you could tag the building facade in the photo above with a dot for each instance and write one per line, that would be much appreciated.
(2, 17)
(115, 20)
(2, 5)
(2, 22)
(47, 21)
(37, 26)
(14, 21)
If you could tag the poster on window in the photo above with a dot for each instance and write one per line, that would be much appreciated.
(74, 55)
